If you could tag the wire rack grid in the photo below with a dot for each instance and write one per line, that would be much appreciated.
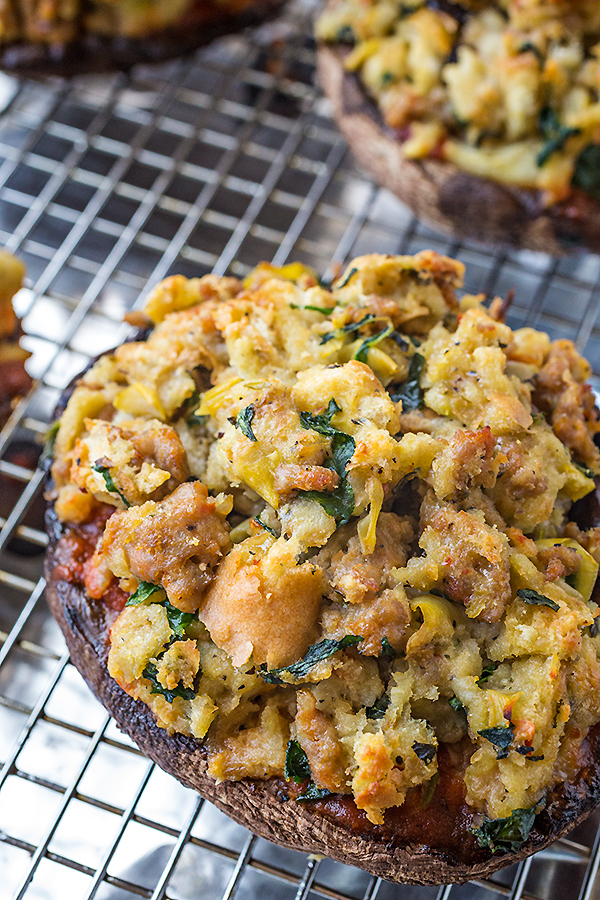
(108, 184)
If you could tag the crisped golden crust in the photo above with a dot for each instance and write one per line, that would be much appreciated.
(333, 827)
(456, 202)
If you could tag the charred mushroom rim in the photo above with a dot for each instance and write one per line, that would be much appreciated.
(507, 93)
(313, 548)
(70, 36)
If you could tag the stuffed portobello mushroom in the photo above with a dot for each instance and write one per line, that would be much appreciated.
(322, 554)
(483, 117)
(67, 37)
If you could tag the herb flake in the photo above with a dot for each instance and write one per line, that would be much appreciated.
(587, 171)
(315, 654)
(487, 672)
(243, 422)
(425, 752)
(362, 353)
(506, 834)
(501, 737)
(378, 710)
(296, 763)
(528, 595)
(411, 392)
(108, 481)
(144, 590)
(151, 673)
(338, 503)
(555, 134)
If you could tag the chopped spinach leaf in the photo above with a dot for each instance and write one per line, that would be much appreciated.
(363, 351)
(501, 737)
(587, 171)
(312, 792)
(144, 590)
(347, 329)
(456, 704)
(50, 441)
(589, 473)
(528, 47)
(525, 751)
(296, 763)
(313, 655)
(527, 595)
(352, 271)
(178, 620)
(425, 752)
(325, 310)
(338, 503)
(487, 672)
(430, 789)
(108, 481)
(506, 834)
(243, 420)
(377, 711)
(411, 392)
(266, 527)
(151, 673)
(387, 649)
(554, 133)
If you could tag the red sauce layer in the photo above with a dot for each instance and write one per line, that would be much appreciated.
(76, 546)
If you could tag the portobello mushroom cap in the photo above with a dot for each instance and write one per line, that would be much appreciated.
(93, 53)
(446, 197)
(422, 845)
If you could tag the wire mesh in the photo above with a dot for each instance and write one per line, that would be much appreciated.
(108, 184)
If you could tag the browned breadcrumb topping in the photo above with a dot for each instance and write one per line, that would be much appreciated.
(342, 517)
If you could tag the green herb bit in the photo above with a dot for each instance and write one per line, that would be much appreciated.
(338, 503)
(108, 481)
(387, 78)
(378, 710)
(363, 351)
(456, 704)
(589, 473)
(50, 441)
(525, 751)
(528, 47)
(387, 649)
(352, 272)
(144, 590)
(266, 527)
(501, 737)
(425, 752)
(243, 420)
(151, 673)
(430, 789)
(587, 171)
(347, 329)
(324, 310)
(296, 763)
(312, 792)
(178, 620)
(527, 595)
(506, 834)
(411, 392)
(487, 672)
(315, 654)
(554, 133)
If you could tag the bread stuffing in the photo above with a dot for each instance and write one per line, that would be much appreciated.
(334, 530)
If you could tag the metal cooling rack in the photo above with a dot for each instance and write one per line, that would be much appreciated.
(106, 185)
